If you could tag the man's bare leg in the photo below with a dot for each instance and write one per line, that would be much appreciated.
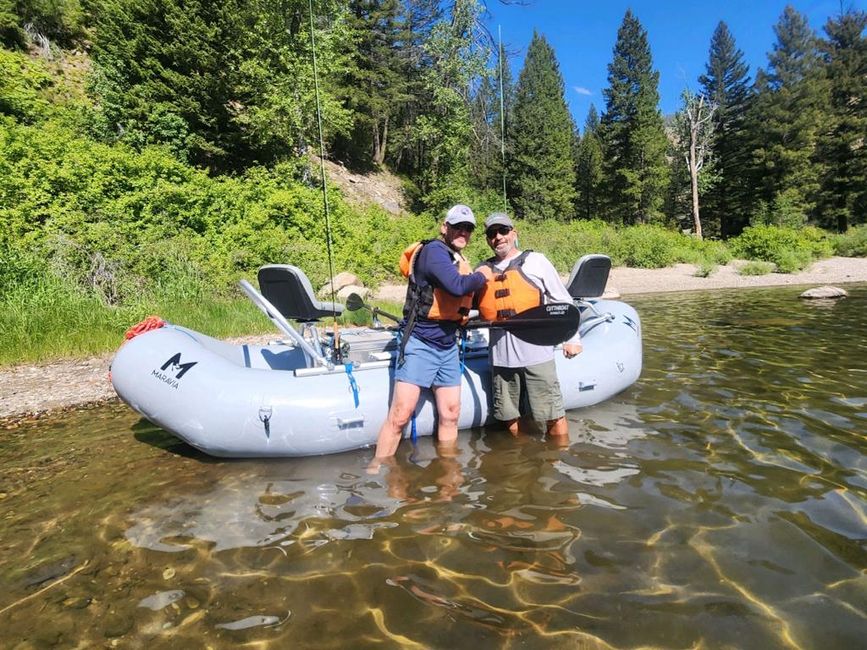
(448, 400)
(402, 406)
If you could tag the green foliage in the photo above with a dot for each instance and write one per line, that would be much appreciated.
(852, 243)
(756, 268)
(648, 247)
(54, 319)
(705, 269)
(588, 169)
(726, 84)
(789, 249)
(230, 84)
(785, 121)
(542, 167)
(634, 141)
(49, 21)
(444, 130)
(23, 83)
(842, 197)
(11, 33)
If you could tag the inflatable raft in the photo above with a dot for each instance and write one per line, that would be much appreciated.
(290, 398)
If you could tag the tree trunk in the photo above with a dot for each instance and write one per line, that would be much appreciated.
(380, 141)
(693, 181)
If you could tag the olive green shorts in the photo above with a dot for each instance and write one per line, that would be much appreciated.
(532, 391)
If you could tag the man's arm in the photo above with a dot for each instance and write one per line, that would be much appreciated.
(439, 267)
(555, 291)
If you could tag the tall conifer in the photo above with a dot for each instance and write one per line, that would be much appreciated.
(790, 107)
(589, 168)
(542, 169)
(726, 84)
(633, 136)
(842, 200)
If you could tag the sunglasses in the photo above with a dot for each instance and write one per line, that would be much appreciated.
(464, 225)
(493, 231)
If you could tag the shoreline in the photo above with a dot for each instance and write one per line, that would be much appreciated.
(33, 391)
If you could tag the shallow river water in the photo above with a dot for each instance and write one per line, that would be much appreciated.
(719, 503)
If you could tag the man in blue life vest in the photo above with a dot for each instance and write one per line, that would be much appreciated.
(522, 373)
(438, 299)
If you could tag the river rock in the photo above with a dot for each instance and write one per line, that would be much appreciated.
(341, 280)
(364, 292)
(825, 292)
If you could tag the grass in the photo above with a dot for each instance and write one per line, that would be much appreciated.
(52, 321)
(51, 324)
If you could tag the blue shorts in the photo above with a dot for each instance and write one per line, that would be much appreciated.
(426, 366)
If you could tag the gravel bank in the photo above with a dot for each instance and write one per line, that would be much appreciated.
(32, 391)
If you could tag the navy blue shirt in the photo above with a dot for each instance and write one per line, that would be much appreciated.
(436, 266)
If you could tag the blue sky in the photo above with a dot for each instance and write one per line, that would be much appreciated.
(583, 33)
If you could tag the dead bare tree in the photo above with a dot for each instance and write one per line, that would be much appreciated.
(695, 131)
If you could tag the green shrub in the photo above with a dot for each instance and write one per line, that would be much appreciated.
(756, 267)
(788, 249)
(705, 269)
(852, 243)
(22, 85)
(648, 247)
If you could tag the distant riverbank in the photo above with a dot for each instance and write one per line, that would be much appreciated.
(32, 390)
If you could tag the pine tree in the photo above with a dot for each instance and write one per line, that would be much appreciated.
(589, 168)
(485, 166)
(542, 169)
(443, 131)
(785, 121)
(227, 84)
(726, 84)
(633, 136)
(375, 81)
(842, 200)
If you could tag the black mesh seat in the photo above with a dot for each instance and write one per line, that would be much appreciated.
(589, 277)
(288, 289)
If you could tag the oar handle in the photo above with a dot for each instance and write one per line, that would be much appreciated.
(377, 310)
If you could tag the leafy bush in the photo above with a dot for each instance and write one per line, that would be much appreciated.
(852, 243)
(22, 82)
(756, 268)
(648, 247)
(788, 249)
(705, 269)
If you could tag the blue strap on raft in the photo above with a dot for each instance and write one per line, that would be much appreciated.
(352, 383)
(413, 431)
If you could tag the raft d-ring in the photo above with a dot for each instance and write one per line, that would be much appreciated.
(265, 418)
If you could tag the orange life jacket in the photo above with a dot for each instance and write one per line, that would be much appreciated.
(509, 291)
(431, 302)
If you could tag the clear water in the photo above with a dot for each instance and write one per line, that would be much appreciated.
(721, 502)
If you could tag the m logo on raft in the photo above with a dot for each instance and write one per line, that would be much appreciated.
(175, 369)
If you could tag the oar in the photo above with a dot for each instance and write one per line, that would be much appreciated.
(543, 325)
(354, 302)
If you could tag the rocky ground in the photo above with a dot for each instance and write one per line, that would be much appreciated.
(32, 391)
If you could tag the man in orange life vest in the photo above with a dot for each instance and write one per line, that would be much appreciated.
(521, 371)
(438, 299)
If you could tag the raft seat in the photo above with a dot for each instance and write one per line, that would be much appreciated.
(288, 288)
(589, 277)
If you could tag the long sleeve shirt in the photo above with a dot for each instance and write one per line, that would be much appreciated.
(436, 266)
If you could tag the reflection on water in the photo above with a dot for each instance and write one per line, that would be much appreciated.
(721, 502)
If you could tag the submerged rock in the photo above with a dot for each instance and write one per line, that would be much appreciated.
(824, 292)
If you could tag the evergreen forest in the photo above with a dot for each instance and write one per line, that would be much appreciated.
(153, 152)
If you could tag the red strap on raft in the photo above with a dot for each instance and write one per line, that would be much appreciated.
(148, 324)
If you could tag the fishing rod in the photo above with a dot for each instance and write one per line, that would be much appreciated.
(328, 246)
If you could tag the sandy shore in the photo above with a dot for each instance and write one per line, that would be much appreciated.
(32, 391)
